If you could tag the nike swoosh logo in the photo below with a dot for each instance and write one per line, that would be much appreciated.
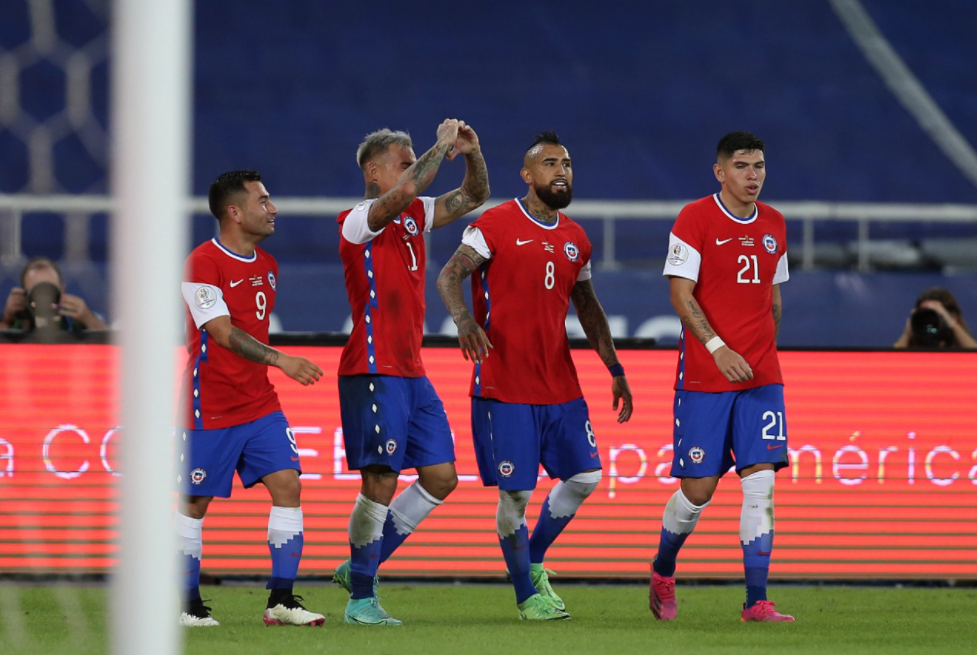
(719, 243)
(234, 284)
(592, 455)
(295, 459)
(520, 242)
(763, 552)
(769, 447)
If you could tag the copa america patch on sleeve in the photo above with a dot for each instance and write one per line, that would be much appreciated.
(205, 297)
(678, 254)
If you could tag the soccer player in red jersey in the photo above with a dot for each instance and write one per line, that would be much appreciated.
(230, 417)
(727, 256)
(529, 262)
(392, 416)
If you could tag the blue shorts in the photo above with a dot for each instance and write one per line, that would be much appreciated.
(512, 440)
(254, 450)
(713, 431)
(394, 422)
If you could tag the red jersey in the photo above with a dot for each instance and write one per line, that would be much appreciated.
(385, 284)
(521, 296)
(220, 388)
(734, 262)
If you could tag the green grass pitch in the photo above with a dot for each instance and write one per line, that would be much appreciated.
(449, 619)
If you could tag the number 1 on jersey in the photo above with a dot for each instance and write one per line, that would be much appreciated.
(413, 257)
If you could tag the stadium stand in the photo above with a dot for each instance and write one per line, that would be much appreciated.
(641, 92)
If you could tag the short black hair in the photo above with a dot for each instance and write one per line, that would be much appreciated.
(548, 137)
(227, 185)
(734, 141)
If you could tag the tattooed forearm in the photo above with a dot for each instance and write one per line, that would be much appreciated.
(476, 182)
(694, 319)
(243, 344)
(422, 171)
(462, 264)
(594, 321)
(776, 319)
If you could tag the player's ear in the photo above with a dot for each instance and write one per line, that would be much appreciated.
(526, 176)
(719, 172)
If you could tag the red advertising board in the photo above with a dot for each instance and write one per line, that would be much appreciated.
(882, 484)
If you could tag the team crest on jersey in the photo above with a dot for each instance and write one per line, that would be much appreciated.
(197, 476)
(678, 254)
(390, 446)
(697, 454)
(205, 297)
(770, 243)
(571, 251)
(272, 281)
(506, 468)
(411, 226)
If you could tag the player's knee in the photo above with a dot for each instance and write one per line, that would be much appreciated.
(584, 484)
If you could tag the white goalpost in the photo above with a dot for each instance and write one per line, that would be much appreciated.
(150, 172)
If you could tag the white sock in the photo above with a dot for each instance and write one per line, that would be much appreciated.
(411, 507)
(284, 523)
(366, 521)
(511, 514)
(189, 534)
(681, 514)
(757, 515)
(567, 496)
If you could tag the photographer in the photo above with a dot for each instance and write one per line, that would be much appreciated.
(936, 322)
(40, 304)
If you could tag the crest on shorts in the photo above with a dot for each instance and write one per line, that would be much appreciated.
(571, 250)
(205, 297)
(506, 468)
(390, 446)
(272, 281)
(770, 243)
(411, 226)
(697, 454)
(197, 475)
(678, 254)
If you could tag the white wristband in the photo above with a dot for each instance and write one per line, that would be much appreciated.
(714, 344)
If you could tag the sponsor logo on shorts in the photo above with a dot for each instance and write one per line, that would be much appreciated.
(506, 468)
(197, 476)
(772, 447)
(770, 243)
(390, 446)
(697, 454)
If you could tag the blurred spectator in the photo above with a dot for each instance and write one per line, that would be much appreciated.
(936, 322)
(40, 303)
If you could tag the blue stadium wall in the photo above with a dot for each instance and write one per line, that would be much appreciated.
(640, 91)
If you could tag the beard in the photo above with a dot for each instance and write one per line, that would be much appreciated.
(554, 199)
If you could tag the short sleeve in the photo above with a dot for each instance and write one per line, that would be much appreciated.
(356, 226)
(682, 260)
(474, 239)
(428, 212)
(782, 274)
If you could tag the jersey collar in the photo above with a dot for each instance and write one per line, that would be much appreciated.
(545, 226)
(743, 221)
(234, 255)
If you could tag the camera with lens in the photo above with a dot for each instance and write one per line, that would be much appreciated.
(929, 328)
(42, 305)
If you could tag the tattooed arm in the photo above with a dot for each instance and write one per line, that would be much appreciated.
(730, 363)
(594, 323)
(778, 306)
(413, 180)
(474, 189)
(244, 345)
(471, 337)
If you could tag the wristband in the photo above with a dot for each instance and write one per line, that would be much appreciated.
(714, 344)
(617, 370)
